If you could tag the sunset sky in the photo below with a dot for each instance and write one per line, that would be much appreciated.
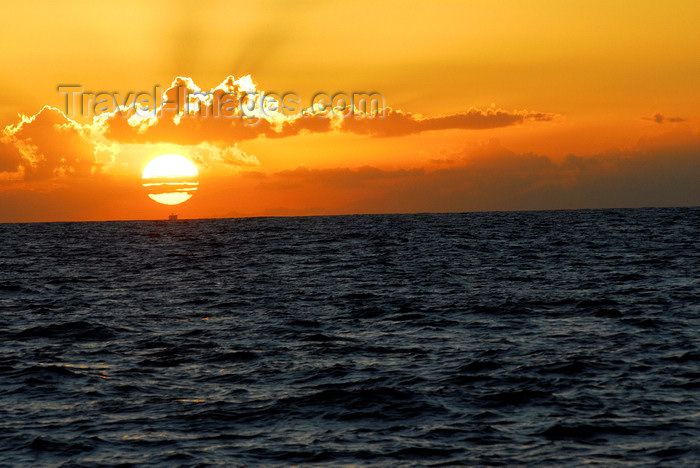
(503, 105)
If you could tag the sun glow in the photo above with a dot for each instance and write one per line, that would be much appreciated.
(170, 179)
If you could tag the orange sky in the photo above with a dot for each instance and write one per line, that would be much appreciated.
(494, 106)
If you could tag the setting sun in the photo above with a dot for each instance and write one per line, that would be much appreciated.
(170, 179)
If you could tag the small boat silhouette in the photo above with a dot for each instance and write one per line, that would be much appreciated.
(172, 217)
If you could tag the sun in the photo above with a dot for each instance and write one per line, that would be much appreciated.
(170, 179)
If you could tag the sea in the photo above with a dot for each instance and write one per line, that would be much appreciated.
(553, 338)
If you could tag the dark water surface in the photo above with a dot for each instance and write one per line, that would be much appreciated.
(541, 338)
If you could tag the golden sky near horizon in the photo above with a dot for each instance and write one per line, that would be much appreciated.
(616, 82)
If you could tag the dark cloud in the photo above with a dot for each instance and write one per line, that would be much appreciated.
(656, 172)
(399, 123)
(660, 118)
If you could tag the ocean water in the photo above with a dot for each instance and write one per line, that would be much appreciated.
(539, 338)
